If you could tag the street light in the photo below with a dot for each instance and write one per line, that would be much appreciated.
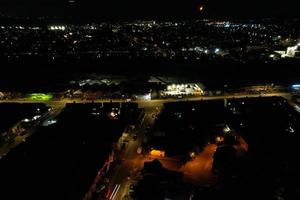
(192, 155)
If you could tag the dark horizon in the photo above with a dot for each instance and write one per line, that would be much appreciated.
(114, 10)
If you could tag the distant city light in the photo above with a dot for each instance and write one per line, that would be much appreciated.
(296, 86)
(226, 129)
(26, 120)
(55, 28)
(201, 8)
(49, 122)
(36, 117)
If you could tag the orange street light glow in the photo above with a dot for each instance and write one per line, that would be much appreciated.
(157, 153)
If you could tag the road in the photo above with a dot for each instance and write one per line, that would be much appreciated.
(126, 173)
(147, 103)
(5, 148)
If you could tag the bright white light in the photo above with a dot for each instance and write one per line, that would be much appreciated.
(192, 154)
(296, 86)
(26, 120)
(147, 97)
(50, 122)
(291, 130)
(226, 129)
(36, 117)
(113, 114)
(57, 28)
(217, 50)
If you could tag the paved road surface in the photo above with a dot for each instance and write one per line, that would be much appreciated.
(132, 162)
(125, 174)
(146, 103)
(5, 148)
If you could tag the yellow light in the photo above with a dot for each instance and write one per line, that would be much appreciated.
(192, 154)
(113, 115)
(219, 139)
(226, 129)
(157, 153)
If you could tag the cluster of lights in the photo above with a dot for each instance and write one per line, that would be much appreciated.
(177, 87)
(296, 86)
(290, 52)
(199, 49)
(33, 118)
(49, 122)
(114, 113)
(227, 24)
(60, 28)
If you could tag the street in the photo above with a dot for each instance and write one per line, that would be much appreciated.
(5, 148)
(126, 173)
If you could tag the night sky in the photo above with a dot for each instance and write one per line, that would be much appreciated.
(149, 8)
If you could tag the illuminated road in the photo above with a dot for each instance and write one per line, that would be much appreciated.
(5, 148)
(199, 170)
(147, 103)
(125, 173)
